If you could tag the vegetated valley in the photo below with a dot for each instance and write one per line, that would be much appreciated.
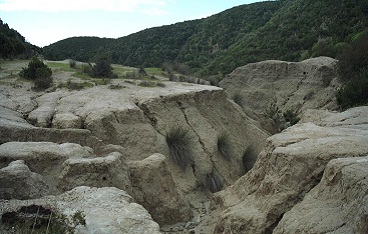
(132, 135)
(290, 30)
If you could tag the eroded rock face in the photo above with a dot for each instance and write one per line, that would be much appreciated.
(291, 164)
(109, 171)
(16, 180)
(44, 158)
(154, 188)
(43, 114)
(294, 86)
(103, 210)
(338, 204)
(133, 121)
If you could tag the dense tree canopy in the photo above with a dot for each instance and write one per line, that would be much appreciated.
(13, 45)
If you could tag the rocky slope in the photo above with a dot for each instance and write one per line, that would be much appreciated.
(294, 86)
(99, 159)
(310, 178)
(101, 137)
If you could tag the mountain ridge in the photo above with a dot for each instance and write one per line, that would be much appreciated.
(290, 30)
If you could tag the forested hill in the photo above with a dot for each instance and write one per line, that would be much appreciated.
(13, 44)
(286, 29)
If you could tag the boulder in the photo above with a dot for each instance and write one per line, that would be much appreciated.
(66, 120)
(338, 204)
(109, 171)
(43, 114)
(84, 210)
(291, 165)
(44, 158)
(17, 181)
(154, 188)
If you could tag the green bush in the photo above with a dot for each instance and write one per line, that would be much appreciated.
(354, 92)
(353, 73)
(224, 146)
(180, 144)
(102, 69)
(353, 59)
(39, 72)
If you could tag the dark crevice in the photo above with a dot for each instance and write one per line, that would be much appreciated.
(270, 229)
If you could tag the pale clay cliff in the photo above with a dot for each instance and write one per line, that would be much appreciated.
(293, 86)
(103, 152)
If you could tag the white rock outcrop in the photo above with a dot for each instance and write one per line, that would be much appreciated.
(154, 188)
(109, 171)
(338, 204)
(291, 164)
(44, 158)
(16, 180)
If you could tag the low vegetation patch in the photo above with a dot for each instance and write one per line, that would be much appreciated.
(249, 158)
(213, 182)
(75, 85)
(36, 220)
(147, 83)
(224, 146)
(238, 98)
(38, 72)
(180, 143)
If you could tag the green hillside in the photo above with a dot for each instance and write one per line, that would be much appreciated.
(13, 44)
(286, 29)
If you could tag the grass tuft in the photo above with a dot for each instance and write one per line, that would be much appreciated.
(213, 182)
(238, 98)
(249, 158)
(224, 146)
(180, 144)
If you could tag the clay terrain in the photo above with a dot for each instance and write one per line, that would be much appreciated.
(118, 156)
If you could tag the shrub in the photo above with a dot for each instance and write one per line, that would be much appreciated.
(249, 158)
(353, 59)
(39, 72)
(213, 182)
(354, 92)
(102, 69)
(237, 97)
(160, 84)
(72, 63)
(142, 71)
(180, 144)
(43, 78)
(224, 146)
(145, 83)
(353, 73)
(291, 117)
(87, 69)
(76, 85)
(117, 86)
